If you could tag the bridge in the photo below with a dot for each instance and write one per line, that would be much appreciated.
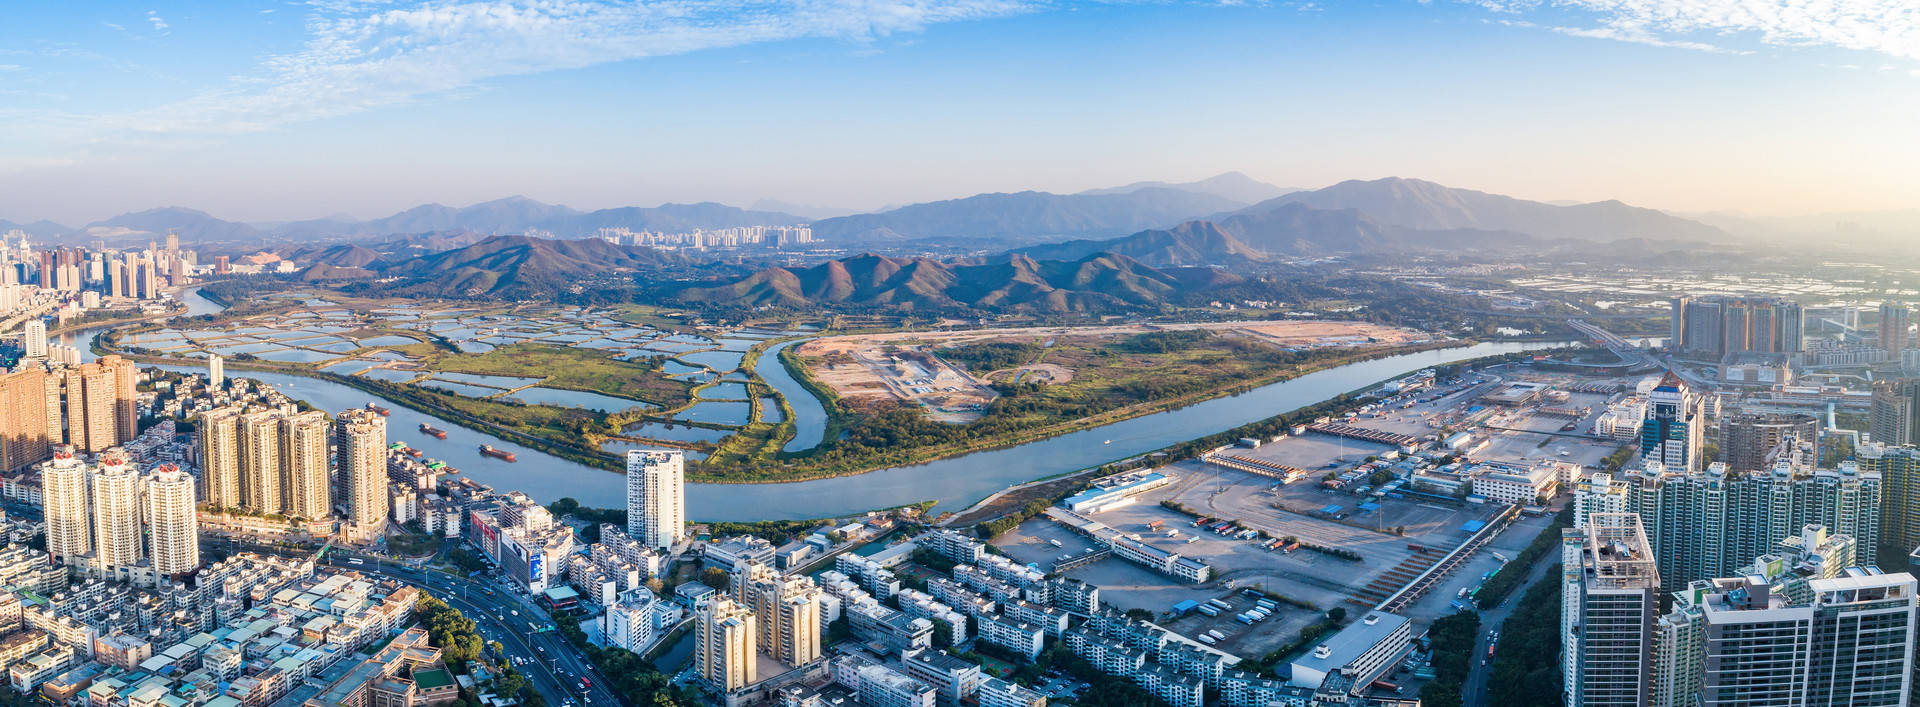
(1633, 354)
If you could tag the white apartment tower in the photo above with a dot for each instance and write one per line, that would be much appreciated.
(69, 513)
(362, 451)
(36, 338)
(116, 514)
(216, 370)
(656, 488)
(174, 527)
(1610, 587)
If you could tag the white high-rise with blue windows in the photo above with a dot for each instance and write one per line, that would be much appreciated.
(656, 496)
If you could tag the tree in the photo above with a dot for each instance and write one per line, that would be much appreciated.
(715, 577)
(1338, 614)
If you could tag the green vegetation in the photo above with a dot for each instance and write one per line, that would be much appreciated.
(1452, 638)
(1618, 459)
(448, 629)
(1510, 576)
(993, 528)
(1526, 669)
(991, 355)
(585, 369)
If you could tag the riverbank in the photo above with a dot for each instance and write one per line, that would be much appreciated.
(841, 419)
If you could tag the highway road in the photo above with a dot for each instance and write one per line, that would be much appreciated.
(551, 663)
(1474, 693)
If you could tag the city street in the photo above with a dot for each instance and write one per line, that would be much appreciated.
(551, 663)
(1474, 693)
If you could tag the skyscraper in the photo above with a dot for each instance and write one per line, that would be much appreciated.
(1900, 508)
(68, 507)
(723, 652)
(260, 462)
(656, 510)
(35, 343)
(1711, 523)
(216, 370)
(1610, 585)
(23, 422)
(362, 450)
(307, 481)
(1894, 320)
(1672, 430)
(100, 403)
(1718, 326)
(117, 543)
(220, 458)
(174, 527)
(1894, 417)
(1783, 639)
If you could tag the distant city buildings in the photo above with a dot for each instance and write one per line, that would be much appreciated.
(701, 239)
(1720, 326)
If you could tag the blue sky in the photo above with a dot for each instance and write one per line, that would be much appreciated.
(276, 110)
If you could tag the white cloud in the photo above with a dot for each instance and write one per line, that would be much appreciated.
(365, 55)
(1890, 27)
(159, 23)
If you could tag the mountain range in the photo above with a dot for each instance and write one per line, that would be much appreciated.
(1346, 217)
(504, 267)
(1013, 282)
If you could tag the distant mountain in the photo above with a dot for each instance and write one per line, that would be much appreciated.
(192, 226)
(1412, 203)
(1008, 282)
(1026, 217)
(508, 266)
(42, 231)
(1190, 243)
(520, 215)
(672, 218)
(1295, 229)
(347, 255)
(1231, 185)
(807, 211)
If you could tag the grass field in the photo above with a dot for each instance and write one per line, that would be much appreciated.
(572, 368)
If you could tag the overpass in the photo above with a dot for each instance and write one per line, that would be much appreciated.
(1634, 354)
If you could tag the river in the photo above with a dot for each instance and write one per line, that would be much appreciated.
(955, 483)
(809, 417)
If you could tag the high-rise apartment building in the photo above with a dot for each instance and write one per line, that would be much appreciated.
(99, 403)
(173, 526)
(23, 419)
(724, 637)
(307, 481)
(216, 370)
(786, 611)
(1894, 417)
(116, 487)
(1710, 523)
(362, 450)
(35, 343)
(1610, 586)
(68, 507)
(219, 450)
(260, 472)
(1785, 639)
(656, 488)
(1716, 327)
(1894, 320)
(1672, 431)
(1899, 468)
(1755, 441)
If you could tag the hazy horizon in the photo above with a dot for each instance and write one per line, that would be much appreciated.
(272, 111)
